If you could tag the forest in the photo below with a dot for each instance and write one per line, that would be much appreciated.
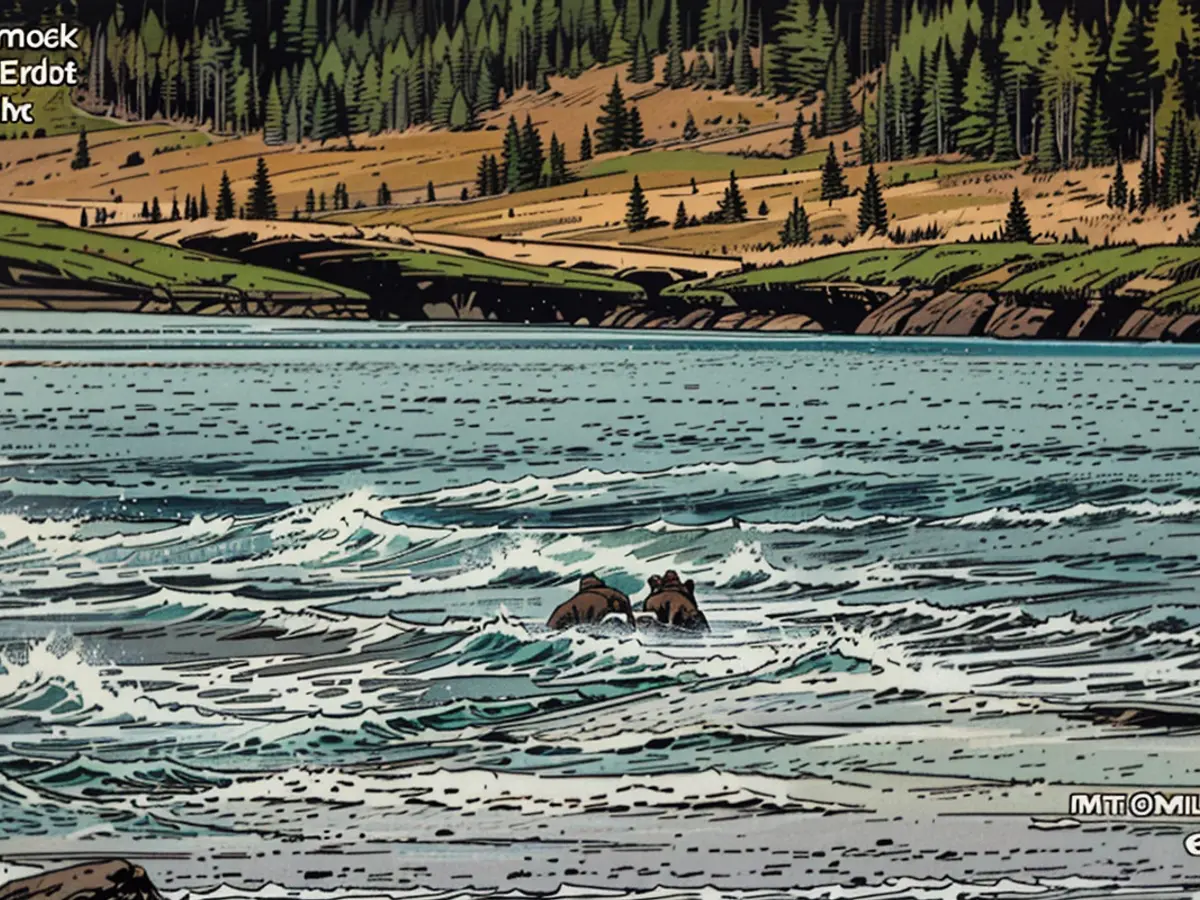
(1060, 82)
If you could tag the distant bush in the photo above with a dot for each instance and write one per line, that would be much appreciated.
(133, 159)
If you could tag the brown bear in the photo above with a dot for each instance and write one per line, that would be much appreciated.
(673, 603)
(594, 602)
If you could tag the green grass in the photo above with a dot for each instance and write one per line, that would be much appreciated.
(925, 171)
(938, 268)
(1182, 298)
(696, 162)
(90, 259)
(419, 265)
(1105, 270)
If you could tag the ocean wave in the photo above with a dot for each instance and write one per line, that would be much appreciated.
(1146, 510)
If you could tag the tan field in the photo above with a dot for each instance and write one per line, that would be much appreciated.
(749, 135)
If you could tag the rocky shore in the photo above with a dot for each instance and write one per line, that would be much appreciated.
(112, 879)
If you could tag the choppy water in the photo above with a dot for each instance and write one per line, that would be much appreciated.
(263, 582)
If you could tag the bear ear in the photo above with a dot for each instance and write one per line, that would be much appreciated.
(655, 582)
(691, 588)
(589, 581)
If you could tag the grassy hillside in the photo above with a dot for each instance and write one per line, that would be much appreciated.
(42, 253)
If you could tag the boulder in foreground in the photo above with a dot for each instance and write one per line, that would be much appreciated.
(112, 879)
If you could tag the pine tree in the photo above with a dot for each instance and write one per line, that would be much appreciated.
(637, 210)
(733, 207)
(637, 135)
(611, 129)
(1016, 226)
(460, 113)
(83, 219)
(383, 197)
(641, 67)
(155, 211)
(1046, 157)
(690, 131)
(482, 185)
(261, 200)
(681, 216)
(203, 208)
(1118, 193)
(83, 157)
(175, 216)
(763, 209)
(325, 113)
(975, 128)
(837, 111)
(512, 156)
(1177, 176)
(310, 202)
(557, 169)
(833, 182)
(225, 207)
(872, 210)
(273, 128)
(695, 187)
(795, 231)
(799, 144)
(745, 79)
(533, 159)
(585, 145)
(1148, 182)
(675, 76)
(430, 194)
(493, 176)
(145, 214)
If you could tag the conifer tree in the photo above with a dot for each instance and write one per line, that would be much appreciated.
(641, 67)
(681, 216)
(745, 79)
(695, 188)
(383, 197)
(975, 128)
(1118, 192)
(83, 219)
(493, 176)
(733, 207)
(1016, 226)
(799, 144)
(1148, 182)
(637, 210)
(83, 157)
(763, 209)
(325, 113)
(261, 200)
(310, 202)
(690, 131)
(482, 184)
(430, 194)
(512, 156)
(611, 129)
(837, 111)
(175, 216)
(585, 145)
(202, 209)
(833, 182)
(225, 208)
(532, 159)
(273, 127)
(637, 135)
(145, 214)
(155, 211)
(872, 210)
(795, 231)
(675, 77)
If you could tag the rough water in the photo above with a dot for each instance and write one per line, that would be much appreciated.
(272, 601)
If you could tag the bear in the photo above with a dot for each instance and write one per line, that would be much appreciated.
(673, 602)
(591, 605)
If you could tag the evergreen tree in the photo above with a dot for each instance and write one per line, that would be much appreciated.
(1177, 177)
(1118, 193)
(310, 202)
(202, 210)
(261, 201)
(690, 131)
(681, 216)
(611, 129)
(273, 128)
(1016, 226)
(430, 194)
(833, 182)
(533, 159)
(976, 127)
(383, 197)
(482, 184)
(1148, 182)
(637, 135)
(837, 111)
(493, 176)
(745, 79)
(155, 211)
(637, 210)
(83, 219)
(512, 156)
(675, 77)
(145, 214)
(799, 144)
(83, 157)
(733, 207)
(641, 67)
(225, 207)
(460, 113)
(585, 145)
(1004, 145)
(872, 210)
(1046, 156)
(175, 216)
(763, 209)
(795, 231)
(325, 113)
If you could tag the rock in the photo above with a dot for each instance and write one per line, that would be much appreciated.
(890, 318)
(791, 322)
(952, 314)
(111, 879)
(729, 321)
(697, 318)
(1014, 321)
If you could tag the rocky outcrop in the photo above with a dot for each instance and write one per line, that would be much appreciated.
(112, 879)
